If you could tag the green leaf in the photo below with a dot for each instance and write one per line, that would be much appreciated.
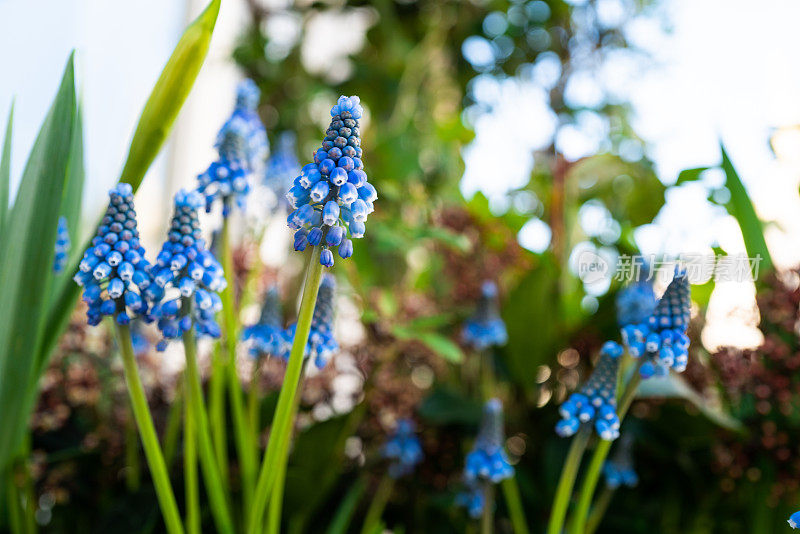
(5, 171)
(742, 209)
(27, 262)
(344, 513)
(690, 175)
(168, 95)
(441, 345)
(73, 192)
(674, 386)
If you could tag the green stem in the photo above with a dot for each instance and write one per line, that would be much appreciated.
(30, 494)
(14, 503)
(208, 463)
(344, 514)
(514, 505)
(147, 432)
(599, 509)
(216, 399)
(567, 479)
(190, 469)
(599, 458)
(253, 404)
(276, 499)
(377, 505)
(243, 433)
(282, 422)
(173, 431)
(487, 519)
(132, 466)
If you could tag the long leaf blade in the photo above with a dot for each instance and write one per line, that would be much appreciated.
(5, 171)
(168, 95)
(26, 266)
(741, 207)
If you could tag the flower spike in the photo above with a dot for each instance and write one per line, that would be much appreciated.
(635, 303)
(114, 272)
(186, 270)
(242, 146)
(332, 198)
(403, 449)
(283, 165)
(62, 246)
(321, 343)
(618, 471)
(485, 328)
(596, 400)
(662, 340)
(267, 337)
(488, 461)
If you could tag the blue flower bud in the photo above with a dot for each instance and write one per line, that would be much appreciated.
(334, 236)
(359, 211)
(314, 236)
(330, 214)
(338, 176)
(320, 191)
(326, 257)
(345, 249)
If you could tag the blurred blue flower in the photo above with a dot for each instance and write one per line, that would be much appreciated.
(794, 520)
(138, 339)
(635, 303)
(472, 498)
(62, 246)
(403, 448)
(487, 462)
(242, 146)
(282, 165)
(321, 343)
(267, 337)
(485, 328)
(332, 198)
(243, 137)
(114, 271)
(662, 340)
(596, 400)
(185, 270)
(618, 470)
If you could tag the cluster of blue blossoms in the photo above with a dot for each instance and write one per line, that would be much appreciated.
(403, 449)
(62, 246)
(596, 400)
(332, 198)
(185, 270)
(662, 339)
(487, 463)
(114, 271)
(485, 328)
(267, 337)
(618, 471)
(635, 303)
(282, 165)
(242, 146)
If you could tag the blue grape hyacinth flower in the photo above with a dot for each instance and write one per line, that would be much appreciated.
(662, 339)
(267, 337)
(635, 303)
(114, 272)
(794, 520)
(62, 246)
(618, 471)
(185, 272)
(243, 137)
(332, 198)
(403, 449)
(473, 499)
(321, 343)
(596, 400)
(487, 462)
(282, 165)
(485, 328)
(242, 146)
